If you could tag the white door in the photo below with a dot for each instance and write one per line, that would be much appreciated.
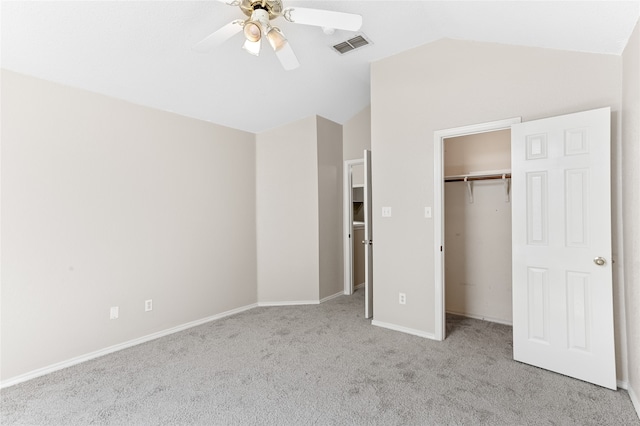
(368, 238)
(562, 277)
(348, 228)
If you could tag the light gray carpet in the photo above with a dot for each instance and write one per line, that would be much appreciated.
(314, 365)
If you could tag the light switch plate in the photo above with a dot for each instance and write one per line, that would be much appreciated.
(427, 212)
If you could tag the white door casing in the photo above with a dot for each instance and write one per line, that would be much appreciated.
(368, 238)
(561, 227)
(438, 209)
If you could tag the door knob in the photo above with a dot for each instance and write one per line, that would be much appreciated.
(364, 241)
(599, 261)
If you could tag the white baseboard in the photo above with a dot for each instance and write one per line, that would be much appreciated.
(622, 384)
(289, 303)
(361, 285)
(407, 330)
(483, 318)
(300, 302)
(86, 357)
(333, 296)
(634, 400)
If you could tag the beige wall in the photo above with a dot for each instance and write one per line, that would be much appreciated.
(631, 205)
(478, 234)
(480, 152)
(299, 212)
(105, 203)
(356, 135)
(288, 213)
(330, 207)
(449, 84)
(478, 251)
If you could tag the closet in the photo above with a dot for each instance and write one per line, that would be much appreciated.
(477, 221)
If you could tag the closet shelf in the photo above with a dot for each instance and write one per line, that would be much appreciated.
(503, 175)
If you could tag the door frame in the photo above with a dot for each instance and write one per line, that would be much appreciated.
(438, 210)
(348, 223)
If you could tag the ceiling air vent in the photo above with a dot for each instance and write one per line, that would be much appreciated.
(351, 44)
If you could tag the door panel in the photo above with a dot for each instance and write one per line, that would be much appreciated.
(538, 304)
(562, 299)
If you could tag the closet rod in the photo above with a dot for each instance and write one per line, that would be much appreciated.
(481, 177)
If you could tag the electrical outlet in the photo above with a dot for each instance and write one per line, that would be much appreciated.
(386, 212)
(402, 299)
(148, 305)
(114, 312)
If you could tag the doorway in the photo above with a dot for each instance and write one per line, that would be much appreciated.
(358, 229)
(353, 177)
(468, 181)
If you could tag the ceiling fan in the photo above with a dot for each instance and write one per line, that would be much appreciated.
(258, 26)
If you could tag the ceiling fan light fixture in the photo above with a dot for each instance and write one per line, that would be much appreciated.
(252, 31)
(257, 26)
(253, 47)
(276, 39)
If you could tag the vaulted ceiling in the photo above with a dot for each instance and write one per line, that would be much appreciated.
(141, 51)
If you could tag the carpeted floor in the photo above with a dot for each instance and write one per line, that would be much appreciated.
(314, 365)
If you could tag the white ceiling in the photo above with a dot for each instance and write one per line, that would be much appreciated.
(141, 51)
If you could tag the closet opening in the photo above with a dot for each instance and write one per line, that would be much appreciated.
(472, 223)
(477, 227)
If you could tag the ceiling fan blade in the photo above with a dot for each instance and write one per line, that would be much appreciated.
(287, 58)
(323, 18)
(217, 38)
(231, 2)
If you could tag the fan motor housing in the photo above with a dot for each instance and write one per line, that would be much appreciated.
(273, 7)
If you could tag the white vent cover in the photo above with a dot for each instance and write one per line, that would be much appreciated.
(351, 44)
